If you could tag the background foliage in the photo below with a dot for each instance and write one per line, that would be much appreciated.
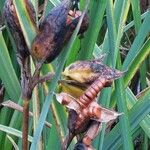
(120, 29)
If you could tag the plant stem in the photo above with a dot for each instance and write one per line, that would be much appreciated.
(67, 141)
(25, 124)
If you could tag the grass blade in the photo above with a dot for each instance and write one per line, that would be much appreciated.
(136, 115)
(120, 27)
(122, 107)
(13, 142)
(7, 74)
(13, 131)
(137, 61)
(97, 14)
(138, 42)
(136, 14)
(123, 120)
(112, 33)
(113, 22)
(25, 21)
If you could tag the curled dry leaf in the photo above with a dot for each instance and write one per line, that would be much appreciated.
(55, 30)
(85, 76)
(107, 115)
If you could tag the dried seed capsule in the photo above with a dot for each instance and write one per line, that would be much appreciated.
(14, 26)
(88, 71)
(49, 40)
(92, 132)
(72, 23)
(68, 101)
(54, 32)
(71, 89)
(72, 123)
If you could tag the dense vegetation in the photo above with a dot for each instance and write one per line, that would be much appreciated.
(120, 29)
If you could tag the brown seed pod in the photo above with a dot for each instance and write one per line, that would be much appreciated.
(88, 71)
(54, 32)
(91, 133)
(80, 118)
(95, 112)
(14, 26)
(73, 127)
(72, 21)
(92, 111)
(84, 110)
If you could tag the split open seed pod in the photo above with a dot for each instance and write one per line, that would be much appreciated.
(71, 89)
(69, 101)
(89, 71)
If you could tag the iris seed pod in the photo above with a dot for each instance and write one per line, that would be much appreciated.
(15, 28)
(91, 133)
(88, 71)
(71, 89)
(91, 111)
(83, 110)
(54, 32)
